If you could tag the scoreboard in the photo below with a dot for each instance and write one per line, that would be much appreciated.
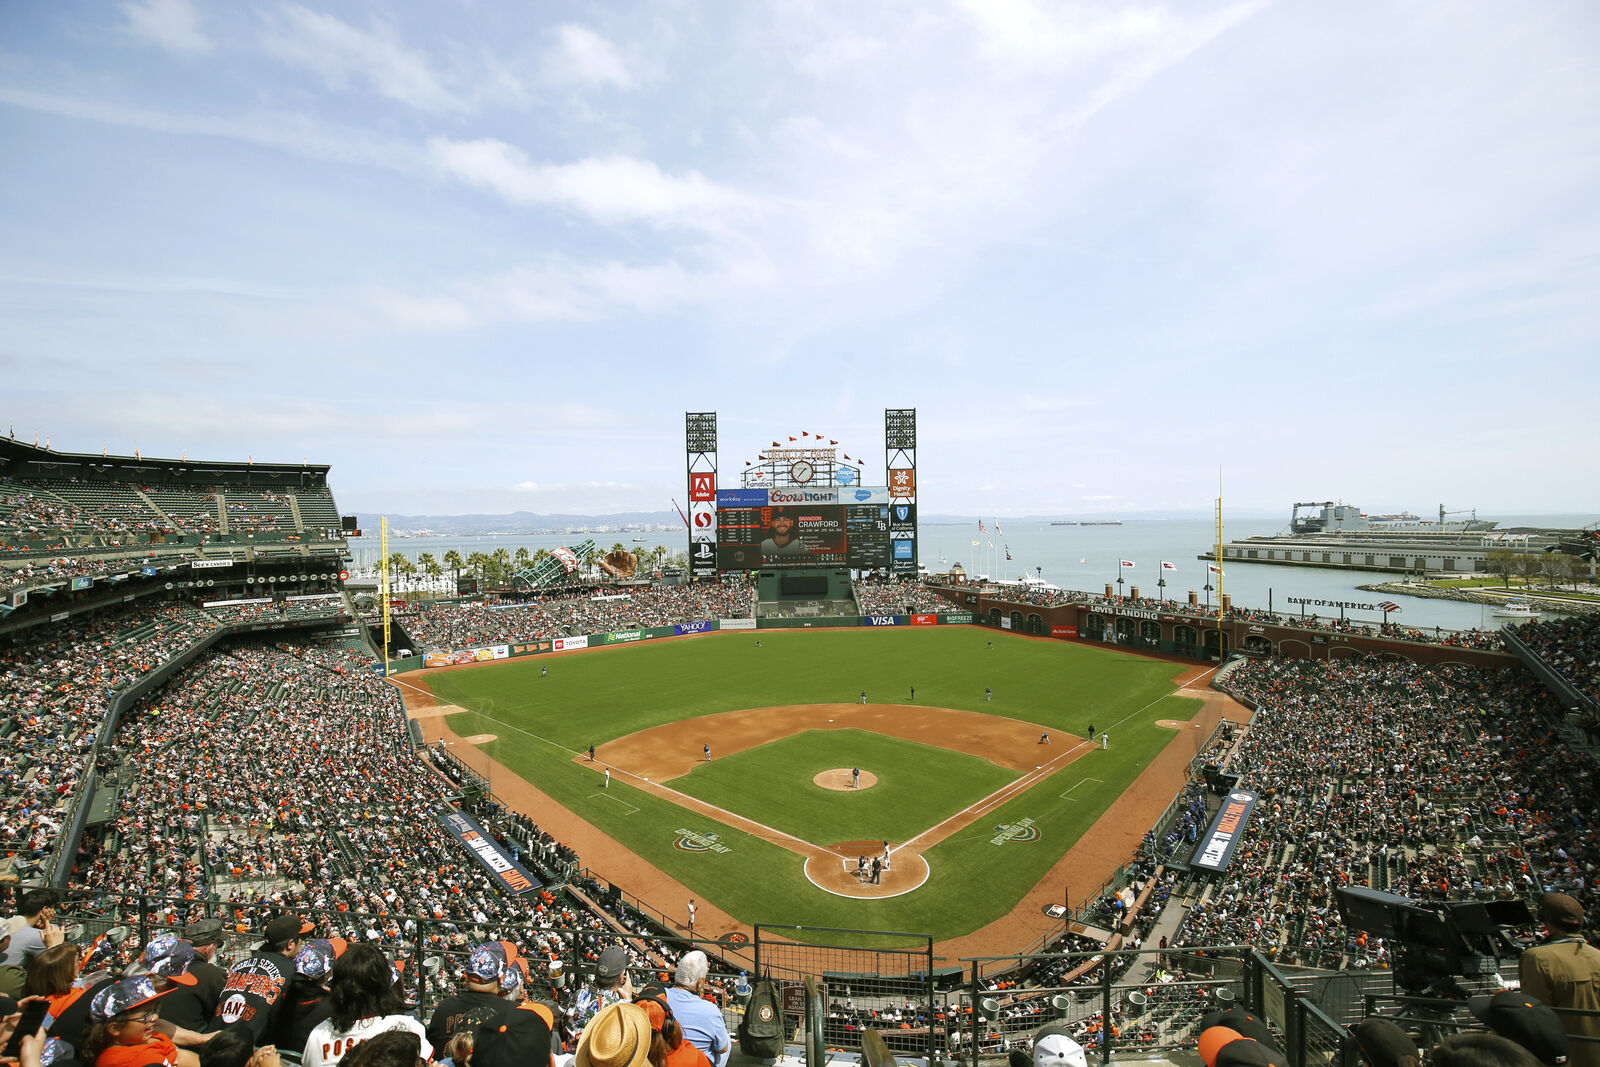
(853, 526)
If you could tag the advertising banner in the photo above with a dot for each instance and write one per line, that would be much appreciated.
(703, 559)
(149, 572)
(702, 485)
(703, 627)
(81, 583)
(209, 564)
(1005, 622)
(621, 637)
(742, 498)
(864, 494)
(567, 644)
(1063, 631)
(736, 624)
(1215, 850)
(903, 483)
(511, 875)
(795, 495)
(924, 620)
(956, 618)
(880, 620)
(436, 659)
(566, 557)
(530, 647)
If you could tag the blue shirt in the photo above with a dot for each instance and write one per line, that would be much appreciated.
(702, 1023)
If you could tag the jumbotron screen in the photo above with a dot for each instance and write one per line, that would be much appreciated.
(854, 526)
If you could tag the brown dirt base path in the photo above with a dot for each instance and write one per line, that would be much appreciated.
(655, 756)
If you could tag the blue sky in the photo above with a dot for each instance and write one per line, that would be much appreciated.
(483, 257)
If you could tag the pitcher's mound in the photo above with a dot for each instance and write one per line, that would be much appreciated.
(841, 778)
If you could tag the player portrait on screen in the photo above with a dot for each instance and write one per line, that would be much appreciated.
(783, 535)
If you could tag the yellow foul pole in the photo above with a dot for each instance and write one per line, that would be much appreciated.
(1219, 544)
(383, 586)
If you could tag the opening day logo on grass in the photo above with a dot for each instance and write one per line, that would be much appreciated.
(1015, 831)
(694, 841)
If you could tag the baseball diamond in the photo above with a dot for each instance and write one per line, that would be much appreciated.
(944, 781)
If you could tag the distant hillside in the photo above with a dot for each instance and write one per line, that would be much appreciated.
(518, 522)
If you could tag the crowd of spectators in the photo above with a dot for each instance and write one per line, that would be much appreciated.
(601, 609)
(36, 570)
(1441, 783)
(303, 608)
(1571, 646)
(57, 690)
(252, 511)
(898, 598)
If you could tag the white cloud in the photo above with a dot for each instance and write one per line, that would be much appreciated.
(170, 24)
(579, 56)
(285, 133)
(611, 190)
(343, 54)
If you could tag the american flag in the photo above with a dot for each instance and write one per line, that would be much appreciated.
(1126, 562)
(1168, 566)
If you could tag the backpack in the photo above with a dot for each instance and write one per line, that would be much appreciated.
(761, 1030)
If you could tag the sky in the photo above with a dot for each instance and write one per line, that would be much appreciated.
(483, 257)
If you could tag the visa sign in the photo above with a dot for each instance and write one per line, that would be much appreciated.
(881, 620)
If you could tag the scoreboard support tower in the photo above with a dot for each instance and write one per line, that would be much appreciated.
(700, 443)
(900, 461)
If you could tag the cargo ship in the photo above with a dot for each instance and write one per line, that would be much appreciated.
(1337, 518)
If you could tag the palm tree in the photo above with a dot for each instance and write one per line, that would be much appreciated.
(429, 565)
(521, 558)
(452, 559)
(501, 561)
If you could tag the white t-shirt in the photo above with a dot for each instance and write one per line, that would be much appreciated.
(327, 1046)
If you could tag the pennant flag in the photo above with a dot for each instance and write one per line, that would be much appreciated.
(1213, 568)
(831, 441)
(997, 527)
(792, 438)
(804, 434)
(1388, 606)
(1126, 562)
(1168, 566)
(980, 527)
(1008, 552)
(776, 445)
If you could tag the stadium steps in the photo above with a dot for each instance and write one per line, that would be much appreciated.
(294, 512)
(153, 506)
(222, 514)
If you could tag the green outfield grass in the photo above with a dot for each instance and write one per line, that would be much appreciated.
(593, 697)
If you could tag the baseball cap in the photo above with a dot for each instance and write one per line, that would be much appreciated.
(1247, 1053)
(1528, 1022)
(618, 1036)
(1561, 911)
(613, 961)
(125, 994)
(515, 976)
(488, 961)
(657, 1014)
(1212, 1038)
(203, 932)
(1243, 1020)
(315, 958)
(286, 928)
(169, 956)
(516, 1037)
(1053, 1046)
(1384, 1044)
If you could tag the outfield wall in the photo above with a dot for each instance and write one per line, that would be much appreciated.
(573, 643)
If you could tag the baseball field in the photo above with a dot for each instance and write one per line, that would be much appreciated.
(776, 826)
